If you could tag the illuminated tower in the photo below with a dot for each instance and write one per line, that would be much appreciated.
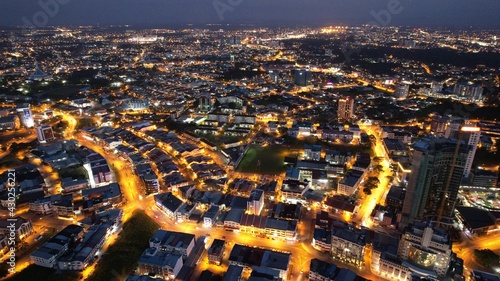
(302, 77)
(346, 109)
(437, 169)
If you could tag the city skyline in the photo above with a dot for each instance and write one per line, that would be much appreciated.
(234, 151)
(161, 13)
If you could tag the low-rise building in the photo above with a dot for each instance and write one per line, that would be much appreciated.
(83, 254)
(174, 242)
(155, 261)
(322, 240)
(348, 243)
(48, 254)
(425, 250)
(292, 191)
(169, 204)
(323, 271)
(385, 262)
(350, 182)
(216, 251)
(19, 226)
(256, 257)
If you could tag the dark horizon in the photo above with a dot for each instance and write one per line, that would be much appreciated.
(455, 14)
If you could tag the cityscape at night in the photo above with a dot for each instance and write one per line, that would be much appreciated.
(237, 140)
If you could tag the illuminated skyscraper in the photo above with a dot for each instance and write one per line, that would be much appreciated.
(471, 136)
(401, 91)
(437, 168)
(302, 77)
(345, 109)
(26, 117)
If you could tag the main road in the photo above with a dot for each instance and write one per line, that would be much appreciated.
(378, 194)
(465, 249)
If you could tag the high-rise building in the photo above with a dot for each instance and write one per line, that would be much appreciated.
(256, 202)
(401, 91)
(346, 109)
(44, 133)
(26, 117)
(436, 87)
(437, 169)
(471, 135)
(468, 92)
(302, 77)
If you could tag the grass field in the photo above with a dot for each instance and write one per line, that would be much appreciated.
(264, 160)
(121, 257)
(35, 272)
(62, 93)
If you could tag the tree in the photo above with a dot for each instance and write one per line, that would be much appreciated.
(282, 130)
(379, 168)
(373, 180)
(367, 191)
(486, 257)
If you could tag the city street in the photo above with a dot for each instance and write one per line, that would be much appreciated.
(378, 194)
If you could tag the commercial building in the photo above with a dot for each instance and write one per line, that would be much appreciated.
(385, 262)
(83, 253)
(323, 271)
(477, 275)
(471, 135)
(48, 254)
(257, 258)
(436, 173)
(345, 109)
(45, 133)
(401, 91)
(216, 251)
(302, 77)
(26, 117)
(350, 182)
(312, 152)
(151, 182)
(425, 250)
(322, 240)
(95, 198)
(173, 242)
(155, 261)
(10, 122)
(483, 178)
(255, 202)
(18, 225)
(98, 170)
(476, 220)
(468, 92)
(169, 204)
(348, 243)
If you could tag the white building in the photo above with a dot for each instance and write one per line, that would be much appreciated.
(425, 250)
(255, 202)
(44, 133)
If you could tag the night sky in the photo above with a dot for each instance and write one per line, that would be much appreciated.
(425, 13)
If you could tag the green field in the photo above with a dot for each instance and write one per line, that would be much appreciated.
(62, 93)
(121, 257)
(35, 272)
(267, 160)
